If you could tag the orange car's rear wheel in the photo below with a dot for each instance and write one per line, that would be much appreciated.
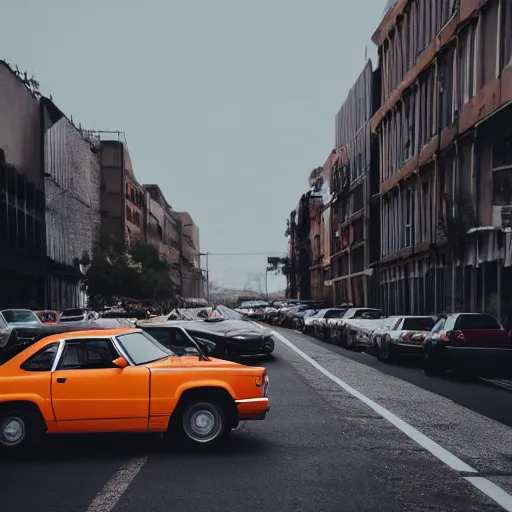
(204, 422)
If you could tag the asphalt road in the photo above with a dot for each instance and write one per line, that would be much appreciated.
(320, 449)
(475, 394)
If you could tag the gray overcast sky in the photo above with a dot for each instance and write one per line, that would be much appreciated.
(227, 105)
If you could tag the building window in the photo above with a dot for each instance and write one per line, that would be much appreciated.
(489, 19)
(502, 171)
(425, 213)
(408, 217)
(446, 84)
(468, 64)
(128, 214)
(507, 33)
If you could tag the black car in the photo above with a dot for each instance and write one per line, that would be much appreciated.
(225, 339)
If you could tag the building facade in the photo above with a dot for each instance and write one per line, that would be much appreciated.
(351, 165)
(22, 201)
(72, 193)
(445, 156)
(163, 229)
(192, 278)
(121, 196)
(300, 248)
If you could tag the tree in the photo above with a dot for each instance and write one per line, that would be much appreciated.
(138, 274)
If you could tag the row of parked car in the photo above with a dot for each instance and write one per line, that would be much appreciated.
(475, 342)
(129, 375)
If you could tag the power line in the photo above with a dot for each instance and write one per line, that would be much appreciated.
(245, 253)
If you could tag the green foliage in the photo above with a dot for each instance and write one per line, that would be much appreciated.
(278, 265)
(140, 274)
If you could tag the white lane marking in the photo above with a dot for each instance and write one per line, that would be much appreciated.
(486, 486)
(492, 490)
(108, 497)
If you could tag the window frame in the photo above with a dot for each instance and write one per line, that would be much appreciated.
(62, 346)
(29, 358)
(82, 341)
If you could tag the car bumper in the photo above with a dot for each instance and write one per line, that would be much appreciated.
(252, 408)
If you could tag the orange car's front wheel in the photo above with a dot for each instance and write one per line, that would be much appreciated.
(19, 427)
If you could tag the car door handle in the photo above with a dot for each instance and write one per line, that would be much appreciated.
(61, 380)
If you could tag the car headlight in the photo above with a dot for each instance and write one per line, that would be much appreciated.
(239, 337)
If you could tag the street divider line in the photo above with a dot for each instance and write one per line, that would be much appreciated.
(486, 486)
(108, 497)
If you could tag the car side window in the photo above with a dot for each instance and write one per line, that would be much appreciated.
(41, 361)
(439, 325)
(89, 354)
(99, 354)
(70, 359)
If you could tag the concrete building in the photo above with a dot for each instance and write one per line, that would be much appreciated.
(320, 232)
(351, 165)
(22, 201)
(300, 249)
(72, 192)
(121, 196)
(163, 229)
(177, 238)
(193, 283)
(445, 156)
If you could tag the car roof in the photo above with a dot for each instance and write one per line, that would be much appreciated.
(16, 309)
(99, 333)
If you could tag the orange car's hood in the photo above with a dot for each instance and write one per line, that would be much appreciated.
(173, 362)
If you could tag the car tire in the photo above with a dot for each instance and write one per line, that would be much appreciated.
(344, 338)
(20, 428)
(202, 423)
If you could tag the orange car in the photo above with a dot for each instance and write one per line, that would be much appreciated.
(123, 380)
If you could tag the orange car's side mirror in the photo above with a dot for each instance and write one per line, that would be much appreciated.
(120, 362)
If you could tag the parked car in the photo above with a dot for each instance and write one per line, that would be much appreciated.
(323, 319)
(124, 380)
(76, 315)
(20, 318)
(47, 317)
(339, 334)
(225, 339)
(299, 318)
(252, 308)
(468, 341)
(404, 336)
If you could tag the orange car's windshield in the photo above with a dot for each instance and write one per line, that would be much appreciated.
(142, 348)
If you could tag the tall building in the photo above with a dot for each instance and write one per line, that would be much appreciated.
(163, 229)
(72, 192)
(445, 156)
(193, 284)
(22, 201)
(121, 195)
(351, 190)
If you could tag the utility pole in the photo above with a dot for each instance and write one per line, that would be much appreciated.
(207, 279)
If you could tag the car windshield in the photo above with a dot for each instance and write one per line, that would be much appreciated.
(142, 348)
(20, 316)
